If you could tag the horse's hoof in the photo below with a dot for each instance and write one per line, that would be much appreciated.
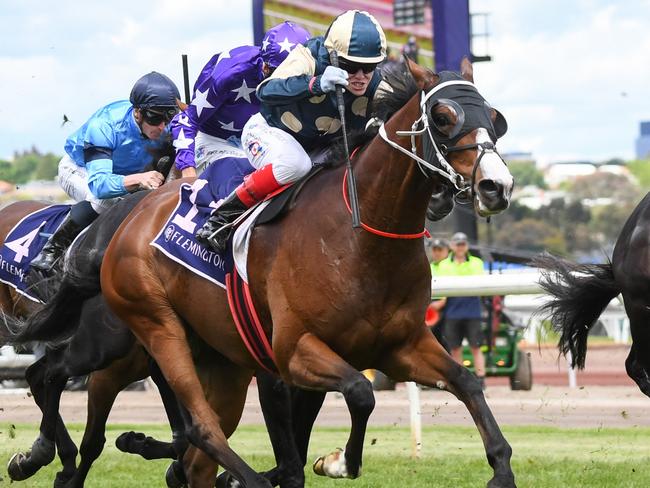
(502, 482)
(61, 480)
(13, 467)
(175, 476)
(333, 465)
(226, 480)
(130, 442)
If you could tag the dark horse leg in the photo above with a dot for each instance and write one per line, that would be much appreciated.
(289, 414)
(47, 393)
(148, 447)
(426, 362)
(637, 363)
(103, 388)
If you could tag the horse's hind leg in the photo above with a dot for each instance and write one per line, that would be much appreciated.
(162, 333)
(637, 364)
(103, 387)
(426, 362)
(225, 386)
(47, 391)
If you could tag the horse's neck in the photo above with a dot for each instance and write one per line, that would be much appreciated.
(393, 192)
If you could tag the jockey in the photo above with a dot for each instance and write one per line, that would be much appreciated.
(106, 156)
(299, 112)
(224, 99)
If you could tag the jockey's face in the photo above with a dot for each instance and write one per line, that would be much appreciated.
(358, 82)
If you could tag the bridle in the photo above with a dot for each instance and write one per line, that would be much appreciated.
(442, 168)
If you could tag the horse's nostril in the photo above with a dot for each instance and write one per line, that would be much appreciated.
(490, 189)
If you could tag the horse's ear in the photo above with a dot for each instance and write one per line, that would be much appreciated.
(466, 70)
(181, 105)
(424, 78)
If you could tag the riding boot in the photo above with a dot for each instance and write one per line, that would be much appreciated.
(254, 188)
(56, 245)
(220, 222)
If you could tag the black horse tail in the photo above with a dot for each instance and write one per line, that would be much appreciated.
(58, 320)
(580, 293)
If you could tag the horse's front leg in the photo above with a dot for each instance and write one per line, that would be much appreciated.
(426, 362)
(313, 365)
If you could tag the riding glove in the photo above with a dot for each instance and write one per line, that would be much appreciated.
(331, 77)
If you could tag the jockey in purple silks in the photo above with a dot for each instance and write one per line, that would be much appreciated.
(224, 99)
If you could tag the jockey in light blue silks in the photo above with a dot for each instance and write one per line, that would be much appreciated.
(224, 99)
(299, 112)
(106, 156)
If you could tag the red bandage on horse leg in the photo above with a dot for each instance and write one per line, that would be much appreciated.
(257, 185)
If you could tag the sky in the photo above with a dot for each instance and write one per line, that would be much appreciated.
(572, 78)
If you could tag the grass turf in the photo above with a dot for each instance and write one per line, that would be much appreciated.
(451, 457)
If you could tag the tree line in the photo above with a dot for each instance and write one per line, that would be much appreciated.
(29, 165)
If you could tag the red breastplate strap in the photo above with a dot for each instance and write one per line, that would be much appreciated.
(372, 230)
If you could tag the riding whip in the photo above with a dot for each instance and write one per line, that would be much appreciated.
(352, 184)
(186, 79)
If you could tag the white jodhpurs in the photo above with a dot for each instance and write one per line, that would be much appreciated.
(208, 149)
(74, 181)
(264, 145)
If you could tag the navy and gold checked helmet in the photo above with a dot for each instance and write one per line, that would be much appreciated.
(357, 36)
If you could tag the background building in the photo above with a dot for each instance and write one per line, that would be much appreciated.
(643, 141)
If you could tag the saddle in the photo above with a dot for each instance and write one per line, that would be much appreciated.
(284, 201)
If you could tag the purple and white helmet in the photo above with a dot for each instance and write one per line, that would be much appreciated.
(280, 40)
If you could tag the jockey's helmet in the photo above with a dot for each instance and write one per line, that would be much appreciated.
(357, 37)
(155, 91)
(280, 40)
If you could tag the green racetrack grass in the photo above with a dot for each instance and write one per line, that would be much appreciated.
(451, 457)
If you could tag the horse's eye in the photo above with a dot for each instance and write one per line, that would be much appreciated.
(447, 117)
(441, 120)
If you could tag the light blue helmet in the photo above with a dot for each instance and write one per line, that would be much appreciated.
(357, 36)
(280, 40)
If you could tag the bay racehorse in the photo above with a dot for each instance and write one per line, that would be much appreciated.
(334, 299)
(581, 292)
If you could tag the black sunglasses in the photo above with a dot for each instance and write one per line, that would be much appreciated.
(154, 117)
(352, 67)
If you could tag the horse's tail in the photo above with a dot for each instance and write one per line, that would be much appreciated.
(58, 320)
(580, 293)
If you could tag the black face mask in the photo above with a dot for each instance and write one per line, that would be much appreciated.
(472, 112)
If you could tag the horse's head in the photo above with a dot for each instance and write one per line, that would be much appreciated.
(459, 132)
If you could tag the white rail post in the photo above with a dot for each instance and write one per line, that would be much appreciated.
(572, 372)
(416, 419)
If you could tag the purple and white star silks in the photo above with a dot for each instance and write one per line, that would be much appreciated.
(280, 41)
(224, 99)
(224, 93)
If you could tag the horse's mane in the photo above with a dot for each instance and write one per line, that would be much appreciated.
(396, 88)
